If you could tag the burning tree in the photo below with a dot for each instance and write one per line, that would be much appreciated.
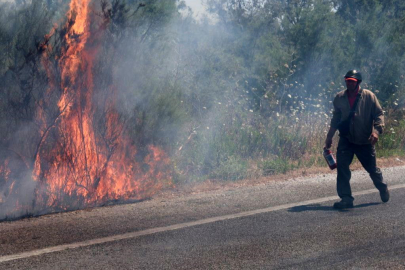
(76, 151)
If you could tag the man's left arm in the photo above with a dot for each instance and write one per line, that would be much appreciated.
(378, 120)
(378, 117)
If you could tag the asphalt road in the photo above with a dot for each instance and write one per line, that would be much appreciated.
(282, 225)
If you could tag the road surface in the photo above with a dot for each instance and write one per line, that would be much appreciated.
(282, 225)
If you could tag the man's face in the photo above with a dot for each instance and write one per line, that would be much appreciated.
(351, 84)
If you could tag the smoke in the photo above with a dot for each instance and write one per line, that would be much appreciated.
(181, 89)
(215, 95)
(20, 203)
(17, 187)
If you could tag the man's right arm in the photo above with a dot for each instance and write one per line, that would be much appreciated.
(329, 137)
(337, 114)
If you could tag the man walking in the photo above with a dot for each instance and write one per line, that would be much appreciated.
(358, 135)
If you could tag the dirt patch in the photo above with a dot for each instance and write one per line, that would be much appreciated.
(212, 184)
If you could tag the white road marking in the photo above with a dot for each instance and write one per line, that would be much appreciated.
(108, 239)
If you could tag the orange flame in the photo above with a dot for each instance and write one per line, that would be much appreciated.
(77, 157)
(5, 173)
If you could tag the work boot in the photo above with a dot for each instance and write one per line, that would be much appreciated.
(343, 205)
(385, 195)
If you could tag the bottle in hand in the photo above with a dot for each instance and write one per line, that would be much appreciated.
(330, 159)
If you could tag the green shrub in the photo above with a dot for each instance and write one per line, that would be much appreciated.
(233, 168)
(276, 165)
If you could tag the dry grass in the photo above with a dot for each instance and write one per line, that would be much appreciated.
(212, 185)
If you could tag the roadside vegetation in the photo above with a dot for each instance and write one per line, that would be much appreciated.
(246, 94)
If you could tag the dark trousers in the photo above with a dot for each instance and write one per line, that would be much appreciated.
(366, 155)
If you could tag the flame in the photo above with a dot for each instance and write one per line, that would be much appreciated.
(5, 176)
(5, 170)
(81, 7)
(77, 158)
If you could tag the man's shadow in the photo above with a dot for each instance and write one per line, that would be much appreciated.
(318, 207)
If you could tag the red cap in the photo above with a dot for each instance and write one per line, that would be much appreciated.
(351, 79)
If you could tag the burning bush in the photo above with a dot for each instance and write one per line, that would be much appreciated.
(76, 151)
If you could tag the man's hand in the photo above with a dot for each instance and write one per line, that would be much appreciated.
(328, 143)
(373, 138)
